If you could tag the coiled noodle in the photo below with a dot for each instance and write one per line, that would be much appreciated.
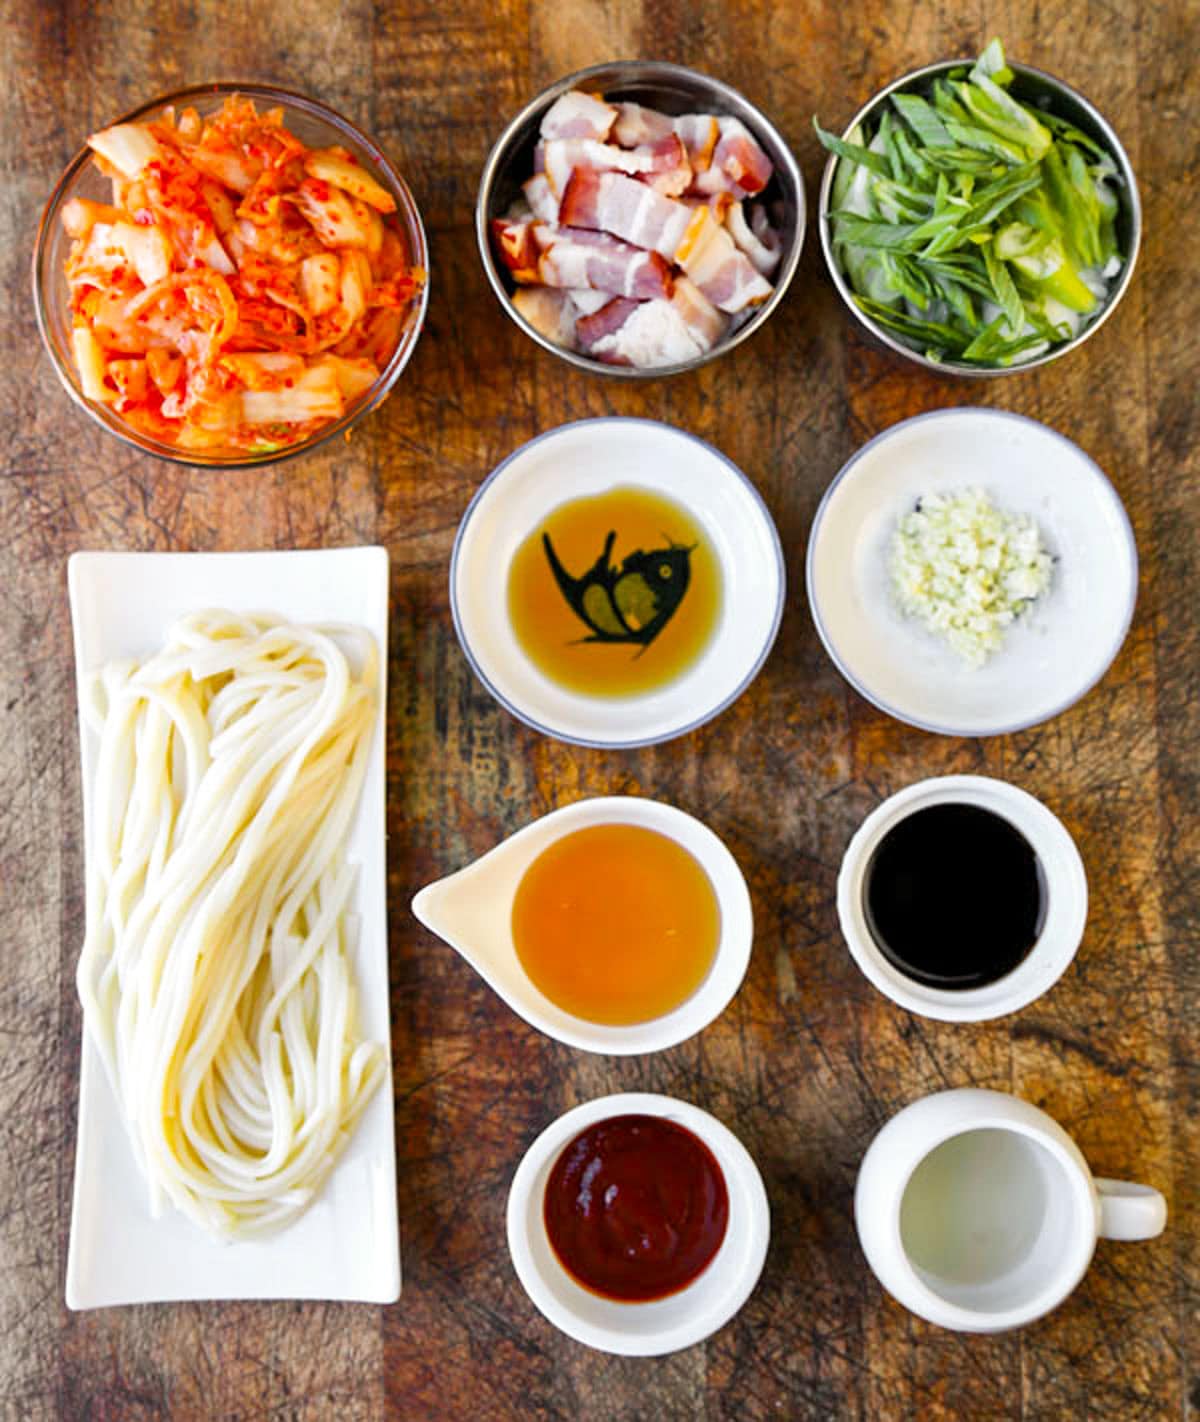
(215, 974)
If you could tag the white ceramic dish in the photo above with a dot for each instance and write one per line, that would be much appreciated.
(666, 1325)
(1057, 649)
(1066, 898)
(472, 911)
(346, 1245)
(588, 458)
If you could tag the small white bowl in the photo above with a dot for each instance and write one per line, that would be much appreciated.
(665, 1325)
(1065, 890)
(584, 459)
(1053, 653)
(472, 911)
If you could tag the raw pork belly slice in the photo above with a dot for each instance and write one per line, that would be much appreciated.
(704, 322)
(605, 322)
(756, 238)
(650, 333)
(579, 115)
(549, 310)
(611, 202)
(553, 311)
(594, 259)
(519, 249)
(738, 166)
(720, 203)
(588, 302)
(663, 164)
(725, 275)
(637, 125)
(653, 334)
(540, 197)
(699, 133)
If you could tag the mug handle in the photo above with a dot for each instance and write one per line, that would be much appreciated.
(1129, 1211)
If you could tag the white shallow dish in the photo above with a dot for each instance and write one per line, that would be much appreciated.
(1054, 653)
(472, 911)
(665, 1325)
(584, 459)
(346, 1245)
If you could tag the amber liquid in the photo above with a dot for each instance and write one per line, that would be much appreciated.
(551, 632)
(616, 924)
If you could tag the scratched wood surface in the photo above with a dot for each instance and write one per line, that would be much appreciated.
(808, 1062)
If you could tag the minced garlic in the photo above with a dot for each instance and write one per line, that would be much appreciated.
(966, 569)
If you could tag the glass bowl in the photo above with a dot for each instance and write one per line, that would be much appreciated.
(1042, 90)
(674, 90)
(315, 125)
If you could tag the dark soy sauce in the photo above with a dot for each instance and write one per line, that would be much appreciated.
(954, 896)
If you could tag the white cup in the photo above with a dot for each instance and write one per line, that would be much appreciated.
(1065, 887)
(978, 1212)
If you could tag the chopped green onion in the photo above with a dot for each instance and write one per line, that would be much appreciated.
(973, 226)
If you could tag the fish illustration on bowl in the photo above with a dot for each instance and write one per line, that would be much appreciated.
(630, 602)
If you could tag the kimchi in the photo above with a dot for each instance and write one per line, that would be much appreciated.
(241, 291)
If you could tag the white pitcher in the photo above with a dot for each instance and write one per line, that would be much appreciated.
(978, 1212)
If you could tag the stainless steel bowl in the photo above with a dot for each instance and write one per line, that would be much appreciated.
(1043, 90)
(674, 90)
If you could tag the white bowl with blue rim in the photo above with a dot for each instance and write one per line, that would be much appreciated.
(1059, 646)
(585, 459)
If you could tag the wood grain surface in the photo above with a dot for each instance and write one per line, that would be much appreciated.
(808, 1061)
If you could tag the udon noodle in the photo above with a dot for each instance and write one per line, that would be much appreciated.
(215, 976)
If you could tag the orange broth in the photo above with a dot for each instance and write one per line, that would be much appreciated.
(616, 924)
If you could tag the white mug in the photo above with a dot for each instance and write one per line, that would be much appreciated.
(978, 1212)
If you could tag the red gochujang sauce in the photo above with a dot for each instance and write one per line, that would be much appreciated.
(636, 1208)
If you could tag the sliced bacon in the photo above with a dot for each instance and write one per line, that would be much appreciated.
(740, 157)
(540, 197)
(587, 302)
(611, 202)
(705, 323)
(739, 166)
(720, 203)
(579, 115)
(636, 124)
(593, 259)
(553, 311)
(550, 311)
(699, 133)
(664, 164)
(669, 170)
(604, 323)
(709, 257)
(761, 245)
(653, 333)
(518, 248)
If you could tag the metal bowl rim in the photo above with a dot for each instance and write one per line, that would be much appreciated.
(1131, 197)
(632, 70)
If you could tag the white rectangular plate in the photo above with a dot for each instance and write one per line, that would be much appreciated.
(346, 1245)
